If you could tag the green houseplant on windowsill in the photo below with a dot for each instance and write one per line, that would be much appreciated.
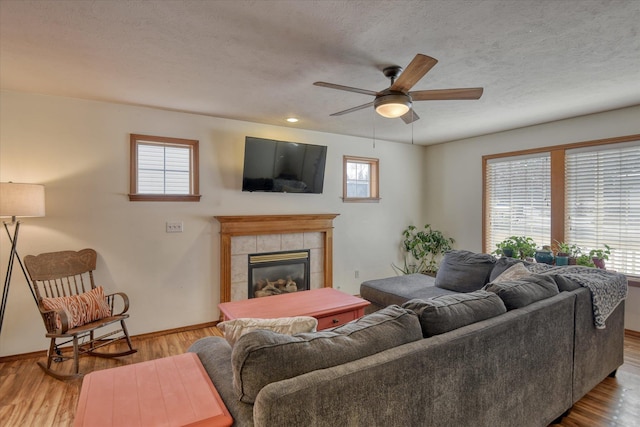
(506, 248)
(585, 261)
(423, 248)
(517, 246)
(599, 255)
(570, 252)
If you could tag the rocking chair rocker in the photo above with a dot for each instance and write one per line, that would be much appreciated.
(72, 308)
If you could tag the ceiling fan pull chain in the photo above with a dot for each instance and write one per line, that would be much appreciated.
(373, 125)
(412, 122)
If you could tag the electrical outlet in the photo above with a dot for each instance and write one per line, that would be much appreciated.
(174, 227)
(357, 274)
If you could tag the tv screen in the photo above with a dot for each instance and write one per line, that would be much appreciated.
(283, 167)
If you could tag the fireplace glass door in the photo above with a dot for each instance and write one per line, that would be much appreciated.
(276, 273)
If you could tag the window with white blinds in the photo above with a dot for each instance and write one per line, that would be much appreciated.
(163, 169)
(518, 198)
(602, 199)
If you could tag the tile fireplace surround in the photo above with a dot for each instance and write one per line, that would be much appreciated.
(242, 235)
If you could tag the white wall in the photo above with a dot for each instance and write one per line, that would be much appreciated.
(80, 151)
(454, 175)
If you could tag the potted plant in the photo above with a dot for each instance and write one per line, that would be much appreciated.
(521, 247)
(424, 247)
(599, 255)
(585, 260)
(563, 252)
(506, 248)
(526, 247)
(572, 251)
(544, 255)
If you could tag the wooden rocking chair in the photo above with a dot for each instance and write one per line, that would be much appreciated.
(72, 308)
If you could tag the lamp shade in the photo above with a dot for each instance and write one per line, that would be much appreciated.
(21, 199)
(392, 105)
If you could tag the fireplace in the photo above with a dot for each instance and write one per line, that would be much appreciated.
(249, 234)
(278, 273)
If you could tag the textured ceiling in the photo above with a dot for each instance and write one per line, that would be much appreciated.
(538, 60)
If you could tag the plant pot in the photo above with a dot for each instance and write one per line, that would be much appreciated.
(544, 257)
(507, 252)
(573, 260)
(599, 263)
(562, 260)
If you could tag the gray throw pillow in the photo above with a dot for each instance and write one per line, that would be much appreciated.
(464, 271)
(522, 292)
(262, 357)
(448, 312)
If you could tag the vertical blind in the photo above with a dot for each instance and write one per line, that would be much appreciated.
(519, 198)
(602, 198)
(164, 169)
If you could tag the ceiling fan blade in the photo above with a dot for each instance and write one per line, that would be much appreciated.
(417, 68)
(447, 94)
(410, 116)
(347, 88)
(351, 110)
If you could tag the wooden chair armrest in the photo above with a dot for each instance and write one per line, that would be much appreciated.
(125, 302)
(49, 317)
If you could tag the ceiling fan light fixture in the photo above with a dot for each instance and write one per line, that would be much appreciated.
(392, 105)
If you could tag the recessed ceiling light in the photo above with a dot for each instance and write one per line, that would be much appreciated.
(292, 120)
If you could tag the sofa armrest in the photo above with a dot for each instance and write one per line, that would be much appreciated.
(598, 352)
(215, 356)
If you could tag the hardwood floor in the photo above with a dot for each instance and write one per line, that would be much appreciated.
(28, 397)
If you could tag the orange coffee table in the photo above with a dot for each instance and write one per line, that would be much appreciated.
(330, 306)
(172, 391)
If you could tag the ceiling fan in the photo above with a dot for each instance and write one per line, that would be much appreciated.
(397, 100)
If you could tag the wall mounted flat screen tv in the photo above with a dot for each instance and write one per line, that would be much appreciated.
(283, 167)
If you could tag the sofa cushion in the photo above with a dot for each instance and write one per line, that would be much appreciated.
(464, 271)
(262, 357)
(516, 271)
(502, 264)
(445, 313)
(565, 284)
(400, 289)
(522, 292)
(234, 329)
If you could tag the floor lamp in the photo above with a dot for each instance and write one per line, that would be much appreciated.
(17, 200)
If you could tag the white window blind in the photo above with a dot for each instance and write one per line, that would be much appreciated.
(603, 202)
(358, 179)
(519, 199)
(163, 169)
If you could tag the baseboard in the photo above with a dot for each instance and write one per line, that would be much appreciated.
(174, 330)
(43, 353)
(635, 334)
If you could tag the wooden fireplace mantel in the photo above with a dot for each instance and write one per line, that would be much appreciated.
(249, 225)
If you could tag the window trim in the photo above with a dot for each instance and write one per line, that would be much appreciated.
(374, 183)
(557, 153)
(194, 172)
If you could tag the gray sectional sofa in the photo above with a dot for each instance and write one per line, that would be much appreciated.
(507, 352)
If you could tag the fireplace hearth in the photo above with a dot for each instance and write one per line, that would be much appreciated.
(278, 273)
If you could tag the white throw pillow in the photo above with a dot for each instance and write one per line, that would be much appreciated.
(516, 271)
(234, 329)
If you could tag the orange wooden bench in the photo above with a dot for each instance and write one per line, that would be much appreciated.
(172, 391)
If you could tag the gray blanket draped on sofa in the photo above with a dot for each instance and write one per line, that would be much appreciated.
(607, 288)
